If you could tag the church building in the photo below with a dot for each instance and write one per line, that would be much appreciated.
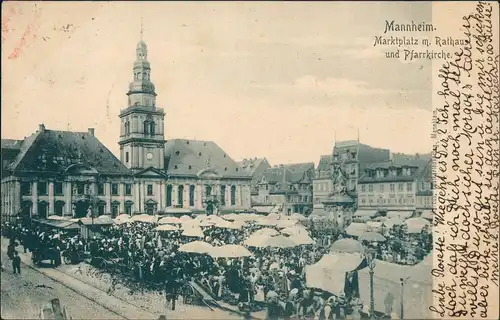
(65, 173)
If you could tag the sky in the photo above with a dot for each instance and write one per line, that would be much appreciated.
(281, 80)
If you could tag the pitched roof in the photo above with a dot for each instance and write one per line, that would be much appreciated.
(298, 167)
(415, 160)
(283, 177)
(368, 154)
(365, 154)
(254, 167)
(250, 165)
(420, 166)
(189, 157)
(54, 151)
(12, 144)
(325, 162)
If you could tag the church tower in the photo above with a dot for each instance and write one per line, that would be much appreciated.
(142, 123)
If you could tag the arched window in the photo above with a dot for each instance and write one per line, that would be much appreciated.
(233, 195)
(180, 196)
(169, 195)
(223, 195)
(127, 127)
(208, 190)
(191, 195)
(146, 127)
(152, 128)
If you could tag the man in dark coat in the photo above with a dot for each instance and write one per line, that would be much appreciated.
(16, 263)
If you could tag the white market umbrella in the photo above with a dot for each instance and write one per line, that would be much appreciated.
(197, 247)
(266, 241)
(297, 229)
(230, 251)
(166, 227)
(301, 239)
(143, 218)
(169, 220)
(200, 217)
(371, 236)
(194, 232)
(207, 223)
(266, 231)
(347, 245)
(298, 217)
(415, 225)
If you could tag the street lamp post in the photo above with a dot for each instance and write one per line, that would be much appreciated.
(371, 255)
(401, 310)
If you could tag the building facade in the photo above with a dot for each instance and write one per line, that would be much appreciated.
(322, 181)
(254, 167)
(63, 173)
(392, 187)
(66, 173)
(353, 157)
(287, 186)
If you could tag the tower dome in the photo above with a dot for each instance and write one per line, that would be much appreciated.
(142, 45)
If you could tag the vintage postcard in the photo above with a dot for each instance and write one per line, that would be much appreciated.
(250, 160)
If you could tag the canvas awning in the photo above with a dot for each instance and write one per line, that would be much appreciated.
(356, 229)
(59, 224)
(387, 289)
(365, 213)
(399, 214)
(263, 209)
(320, 212)
(174, 210)
(427, 214)
(328, 274)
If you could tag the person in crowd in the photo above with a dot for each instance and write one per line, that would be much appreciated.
(149, 256)
(11, 248)
(274, 308)
(16, 263)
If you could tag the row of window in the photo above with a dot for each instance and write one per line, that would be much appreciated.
(392, 187)
(345, 156)
(300, 186)
(397, 172)
(78, 188)
(43, 208)
(389, 201)
(322, 186)
(81, 188)
(295, 199)
(148, 127)
(424, 200)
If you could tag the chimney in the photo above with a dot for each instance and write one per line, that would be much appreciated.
(91, 131)
(41, 128)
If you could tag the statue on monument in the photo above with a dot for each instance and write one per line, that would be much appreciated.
(339, 182)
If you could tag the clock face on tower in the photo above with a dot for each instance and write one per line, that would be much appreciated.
(149, 156)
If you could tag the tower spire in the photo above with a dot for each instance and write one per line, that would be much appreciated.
(142, 28)
(358, 135)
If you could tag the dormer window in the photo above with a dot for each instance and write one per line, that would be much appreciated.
(177, 153)
(175, 167)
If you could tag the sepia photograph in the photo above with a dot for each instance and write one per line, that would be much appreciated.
(249, 160)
